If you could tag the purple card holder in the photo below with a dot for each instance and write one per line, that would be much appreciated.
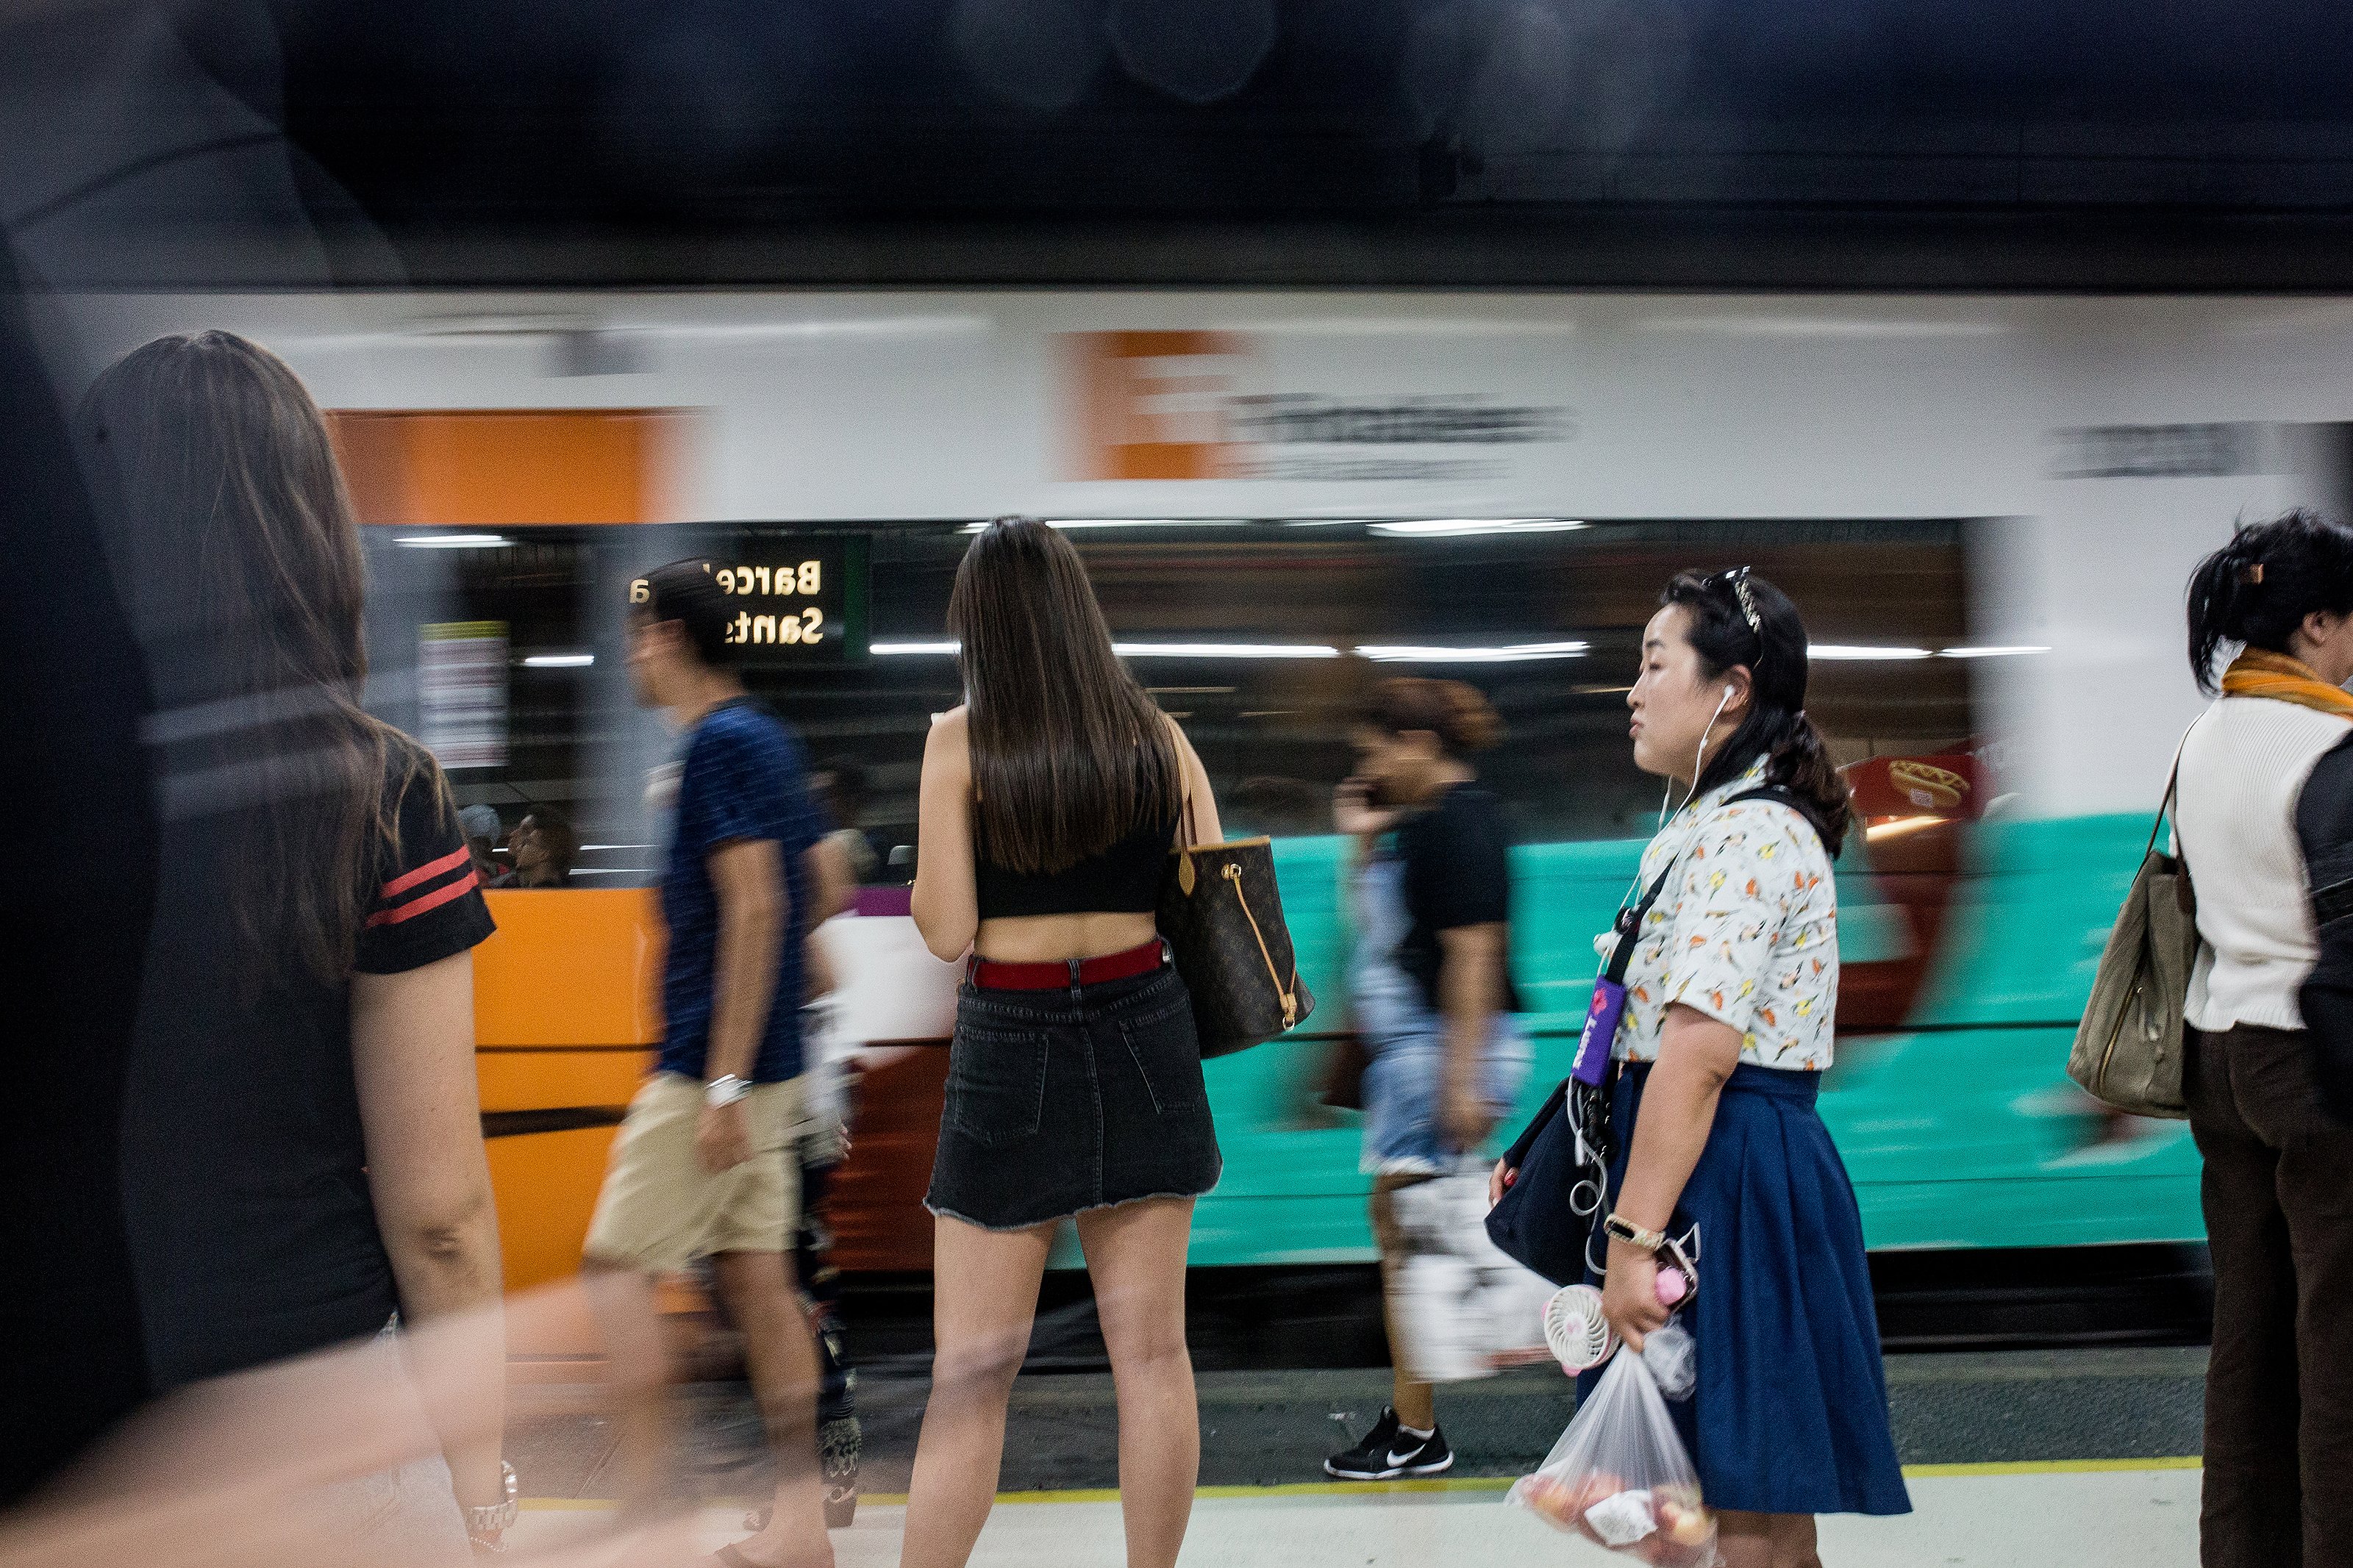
(1608, 1005)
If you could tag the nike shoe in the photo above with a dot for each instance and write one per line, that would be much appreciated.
(1389, 1453)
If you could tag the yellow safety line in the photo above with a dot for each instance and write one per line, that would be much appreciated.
(1485, 1483)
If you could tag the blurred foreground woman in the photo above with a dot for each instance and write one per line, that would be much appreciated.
(302, 1159)
(2264, 820)
(1730, 1016)
(1050, 803)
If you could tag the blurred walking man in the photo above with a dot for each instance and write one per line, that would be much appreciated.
(700, 1168)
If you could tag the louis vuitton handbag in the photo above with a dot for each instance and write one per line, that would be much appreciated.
(1222, 915)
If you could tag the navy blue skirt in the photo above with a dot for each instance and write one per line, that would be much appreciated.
(1790, 1413)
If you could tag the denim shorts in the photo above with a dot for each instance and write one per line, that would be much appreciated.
(1072, 1099)
(1401, 1093)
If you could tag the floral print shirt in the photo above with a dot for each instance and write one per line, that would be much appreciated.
(1746, 931)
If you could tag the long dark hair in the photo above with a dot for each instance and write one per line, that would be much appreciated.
(1069, 753)
(1719, 608)
(234, 539)
(2257, 589)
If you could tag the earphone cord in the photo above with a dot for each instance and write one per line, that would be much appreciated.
(1698, 761)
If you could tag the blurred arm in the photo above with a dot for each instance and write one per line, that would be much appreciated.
(944, 902)
(420, 1112)
(754, 911)
(2324, 825)
(833, 890)
(1470, 990)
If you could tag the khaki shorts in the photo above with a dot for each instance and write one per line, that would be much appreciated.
(660, 1210)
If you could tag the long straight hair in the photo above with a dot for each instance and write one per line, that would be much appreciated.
(234, 539)
(1070, 754)
(1775, 727)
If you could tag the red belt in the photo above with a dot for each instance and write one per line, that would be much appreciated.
(990, 975)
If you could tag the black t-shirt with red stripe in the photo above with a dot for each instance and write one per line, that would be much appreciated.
(253, 1235)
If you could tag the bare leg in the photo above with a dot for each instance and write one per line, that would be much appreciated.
(984, 1296)
(782, 1355)
(1135, 1254)
(1416, 1404)
(1767, 1540)
(636, 1364)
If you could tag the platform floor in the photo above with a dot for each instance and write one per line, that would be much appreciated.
(2131, 1512)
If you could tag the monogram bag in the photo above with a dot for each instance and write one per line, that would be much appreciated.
(1222, 915)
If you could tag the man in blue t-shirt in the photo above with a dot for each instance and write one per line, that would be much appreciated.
(700, 1167)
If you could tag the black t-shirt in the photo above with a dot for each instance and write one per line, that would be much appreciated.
(1457, 873)
(245, 1173)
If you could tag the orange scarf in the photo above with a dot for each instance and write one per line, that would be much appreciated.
(2258, 673)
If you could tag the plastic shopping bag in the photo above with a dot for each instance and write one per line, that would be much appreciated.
(1620, 1477)
(1464, 1308)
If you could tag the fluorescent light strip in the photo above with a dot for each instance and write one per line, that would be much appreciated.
(559, 660)
(1067, 523)
(454, 540)
(1223, 650)
(1987, 652)
(1148, 649)
(1461, 527)
(1516, 653)
(1852, 651)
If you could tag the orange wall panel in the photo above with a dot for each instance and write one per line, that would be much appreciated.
(546, 1188)
(573, 966)
(511, 468)
(544, 1079)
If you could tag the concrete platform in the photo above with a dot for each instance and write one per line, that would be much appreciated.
(1984, 1517)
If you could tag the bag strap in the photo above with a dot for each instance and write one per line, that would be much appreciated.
(2164, 806)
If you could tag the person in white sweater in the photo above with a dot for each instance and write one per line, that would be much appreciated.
(2263, 819)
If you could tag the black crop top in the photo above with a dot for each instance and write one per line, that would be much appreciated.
(1123, 880)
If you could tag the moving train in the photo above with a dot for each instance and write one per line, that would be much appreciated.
(1986, 507)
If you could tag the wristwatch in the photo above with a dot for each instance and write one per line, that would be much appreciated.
(483, 1525)
(724, 1089)
(1618, 1227)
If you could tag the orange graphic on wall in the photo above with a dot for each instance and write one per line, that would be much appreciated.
(1151, 405)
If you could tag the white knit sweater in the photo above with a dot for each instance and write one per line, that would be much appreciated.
(2243, 769)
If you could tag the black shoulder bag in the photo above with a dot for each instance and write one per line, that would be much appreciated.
(1546, 1217)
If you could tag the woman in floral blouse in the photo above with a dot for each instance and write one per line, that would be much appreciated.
(1731, 997)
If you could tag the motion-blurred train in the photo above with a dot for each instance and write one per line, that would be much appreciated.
(1985, 507)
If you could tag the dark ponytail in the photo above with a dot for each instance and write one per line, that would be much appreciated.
(2256, 590)
(1719, 606)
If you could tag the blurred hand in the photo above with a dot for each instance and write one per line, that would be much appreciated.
(721, 1138)
(1630, 1294)
(1501, 1177)
(1354, 813)
(1463, 1117)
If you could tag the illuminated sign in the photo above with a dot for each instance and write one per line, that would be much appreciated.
(792, 599)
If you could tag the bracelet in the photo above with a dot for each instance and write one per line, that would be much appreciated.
(491, 1519)
(725, 1090)
(1618, 1227)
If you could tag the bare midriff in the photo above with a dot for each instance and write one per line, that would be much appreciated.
(1056, 938)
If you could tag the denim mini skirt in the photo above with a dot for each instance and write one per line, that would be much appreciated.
(1072, 1099)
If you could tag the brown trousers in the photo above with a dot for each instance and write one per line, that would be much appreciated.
(2278, 1197)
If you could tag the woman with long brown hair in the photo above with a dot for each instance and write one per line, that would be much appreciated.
(1050, 802)
(303, 1159)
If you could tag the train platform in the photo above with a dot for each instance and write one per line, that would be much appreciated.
(2015, 1458)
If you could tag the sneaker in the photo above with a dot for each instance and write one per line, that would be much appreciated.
(1388, 1452)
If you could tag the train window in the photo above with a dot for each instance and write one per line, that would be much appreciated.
(505, 652)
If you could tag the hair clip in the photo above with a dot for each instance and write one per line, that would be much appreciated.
(1738, 579)
(2252, 574)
